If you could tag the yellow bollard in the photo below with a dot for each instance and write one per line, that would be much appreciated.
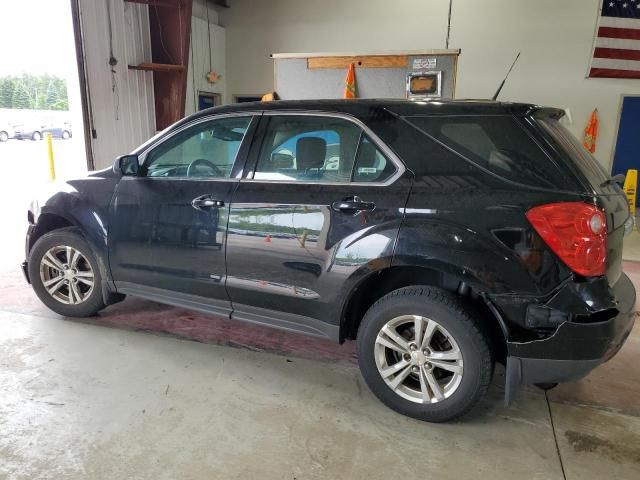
(52, 167)
(630, 189)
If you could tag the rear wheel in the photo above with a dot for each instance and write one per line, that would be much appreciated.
(36, 136)
(66, 135)
(4, 136)
(65, 274)
(422, 354)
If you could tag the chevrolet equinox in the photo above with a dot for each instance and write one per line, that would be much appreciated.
(441, 236)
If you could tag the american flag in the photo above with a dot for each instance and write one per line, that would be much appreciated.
(616, 52)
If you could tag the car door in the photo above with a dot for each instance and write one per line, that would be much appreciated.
(318, 211)
(168, 224)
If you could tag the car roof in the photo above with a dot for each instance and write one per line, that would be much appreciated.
(368, 107)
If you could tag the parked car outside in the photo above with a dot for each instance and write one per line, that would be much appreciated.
(63, 131)
(6, 132)
(446, 237)
(28, 132)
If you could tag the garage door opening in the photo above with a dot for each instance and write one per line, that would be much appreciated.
(39, 96)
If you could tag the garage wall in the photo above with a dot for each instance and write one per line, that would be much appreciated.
(554, 37)
(121, 100)
(207, 53)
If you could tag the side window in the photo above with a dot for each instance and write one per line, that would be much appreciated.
(207, 150)
(371, 164)
(308, 149)
(497, 143)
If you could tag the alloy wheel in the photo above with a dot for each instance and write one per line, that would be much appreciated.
(418, 359)
(67, 275)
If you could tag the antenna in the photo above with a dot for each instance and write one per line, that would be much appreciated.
(495, 96)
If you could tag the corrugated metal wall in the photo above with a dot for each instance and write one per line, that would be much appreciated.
(121, 100)
(207, 54)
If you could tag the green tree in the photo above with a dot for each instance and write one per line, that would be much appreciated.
(34, 91)
(61, 104)
(52, 97)
(21, 97)
(7, 86)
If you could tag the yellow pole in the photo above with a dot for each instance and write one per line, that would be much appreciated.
(630, 189)
(52, 167)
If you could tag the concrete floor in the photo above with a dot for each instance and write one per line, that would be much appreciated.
(103, 399)
(631, 250)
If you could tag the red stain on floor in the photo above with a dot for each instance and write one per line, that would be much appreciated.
(137, 314)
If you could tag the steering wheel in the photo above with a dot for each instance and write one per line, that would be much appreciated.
(205, 162)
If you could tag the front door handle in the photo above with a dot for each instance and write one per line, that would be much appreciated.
(206, 201)
(352, 205)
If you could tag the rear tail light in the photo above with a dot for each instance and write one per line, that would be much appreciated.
(574, 231)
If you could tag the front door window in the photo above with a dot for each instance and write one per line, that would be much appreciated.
(206, 150)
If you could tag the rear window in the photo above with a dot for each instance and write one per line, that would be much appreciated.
(499, 144)
(580, 156)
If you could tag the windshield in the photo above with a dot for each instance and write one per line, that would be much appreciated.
(580, 156)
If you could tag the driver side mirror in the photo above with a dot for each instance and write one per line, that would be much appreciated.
(126, 165)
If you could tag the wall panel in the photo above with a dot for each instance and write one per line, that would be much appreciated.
(120, 100)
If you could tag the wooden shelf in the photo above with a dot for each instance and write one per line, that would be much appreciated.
(157, 67)
(155, 3)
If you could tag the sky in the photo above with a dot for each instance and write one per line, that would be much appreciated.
(36, 36)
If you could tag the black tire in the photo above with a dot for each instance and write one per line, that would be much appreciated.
(66, 135)
(4, 136)
(93, 302)
(36, 136)
(447, 310)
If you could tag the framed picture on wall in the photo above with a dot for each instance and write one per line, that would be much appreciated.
(422, 85)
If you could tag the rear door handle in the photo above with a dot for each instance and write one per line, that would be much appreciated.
(352, 205)
(206, 201)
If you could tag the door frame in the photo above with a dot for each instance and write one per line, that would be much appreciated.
(617, 129)
(88, 131)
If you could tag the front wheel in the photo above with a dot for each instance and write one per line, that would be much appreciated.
(423, 355)
(66, 135)
(65, 275)
(36, 136)
(4, 136)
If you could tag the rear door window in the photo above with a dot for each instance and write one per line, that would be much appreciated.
(499, 144)
(320, 149)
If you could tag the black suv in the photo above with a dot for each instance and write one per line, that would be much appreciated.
(443, 236)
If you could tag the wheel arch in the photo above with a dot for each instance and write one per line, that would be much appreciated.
(47, 222)
(381, 282)
(51, 220)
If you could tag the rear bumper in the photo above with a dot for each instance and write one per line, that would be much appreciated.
(575, 348)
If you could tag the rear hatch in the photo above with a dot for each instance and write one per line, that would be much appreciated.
(609, 196)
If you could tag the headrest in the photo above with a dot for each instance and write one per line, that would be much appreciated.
(310, 153)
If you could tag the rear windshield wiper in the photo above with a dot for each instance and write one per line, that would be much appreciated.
(619, 179)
